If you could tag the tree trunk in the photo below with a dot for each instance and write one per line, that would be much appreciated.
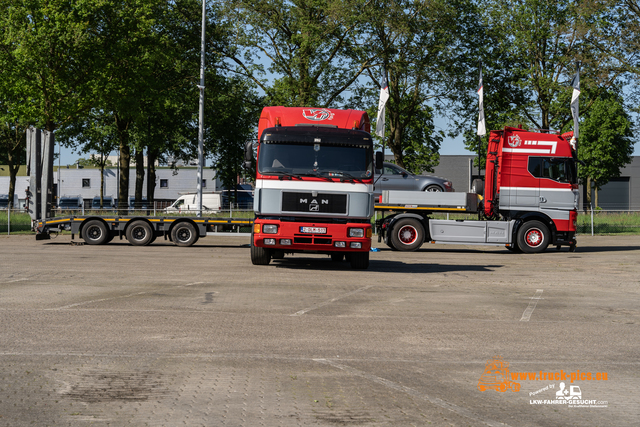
(589, 193)
(139, 177)
(122, 125)
(102, 162)
(152, 155)
(13, 173)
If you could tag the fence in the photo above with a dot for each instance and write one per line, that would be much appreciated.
(589, 222)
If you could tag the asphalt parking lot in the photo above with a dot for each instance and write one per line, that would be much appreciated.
(166, 336)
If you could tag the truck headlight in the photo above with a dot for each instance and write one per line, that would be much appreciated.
(270, 229)
(356, 232)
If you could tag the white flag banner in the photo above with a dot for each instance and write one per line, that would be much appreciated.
(575, 83)
(482, 127)
(384, 96)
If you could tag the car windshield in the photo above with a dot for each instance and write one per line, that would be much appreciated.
(326, 160)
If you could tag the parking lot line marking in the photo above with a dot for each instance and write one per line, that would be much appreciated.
(532, 305)
(13, 281)
(322, 304)
(412, 392)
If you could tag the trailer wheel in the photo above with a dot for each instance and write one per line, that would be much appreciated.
(95, 232)
(139, 233)
(407, 235)
(259, 256)
(184, 234)
(533, 237)
(359, 260)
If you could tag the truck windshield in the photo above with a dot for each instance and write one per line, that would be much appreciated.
(329, 160)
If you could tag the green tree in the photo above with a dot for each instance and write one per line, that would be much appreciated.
(95, 134)
(606, 143)
(308, 46)
(541, 43)
(51, 48)
(415, 42)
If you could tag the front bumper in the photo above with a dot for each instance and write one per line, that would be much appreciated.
(291, 238)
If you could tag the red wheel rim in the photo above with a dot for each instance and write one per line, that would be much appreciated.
(407, 234)
(534, 237)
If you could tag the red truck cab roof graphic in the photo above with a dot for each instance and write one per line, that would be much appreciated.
(292, 116)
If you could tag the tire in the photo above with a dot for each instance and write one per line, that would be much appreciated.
(259, 256)
(533, 237)
(407, 235)
(433, 189)
(359, 260)
(140, 233)
(184, 234)
(337, 257)
(95, 232)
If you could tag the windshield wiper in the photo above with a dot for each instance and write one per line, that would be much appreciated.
(318, 175)
(283, 175)
(348, 177)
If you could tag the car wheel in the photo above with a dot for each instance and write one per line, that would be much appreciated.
(407, 235)
(139, 233)
(533, 237)
(184, 234)
(95, 233)
(434, 189)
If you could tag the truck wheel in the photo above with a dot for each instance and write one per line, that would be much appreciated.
(139, 233)
(95, 232)
(533, 237)
(337, 257)
(359, 260)
(184, 234)
(259, 256)
(407, 235)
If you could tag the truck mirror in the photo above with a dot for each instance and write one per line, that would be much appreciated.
(379, 160)
(248, 154)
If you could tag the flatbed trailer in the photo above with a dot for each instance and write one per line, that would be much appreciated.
(138, 230)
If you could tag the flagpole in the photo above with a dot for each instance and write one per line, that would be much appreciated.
(201, 113)
(482, 128)
(380, 120)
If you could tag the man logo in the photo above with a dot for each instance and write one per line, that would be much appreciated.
(314, 206)
(317, 114)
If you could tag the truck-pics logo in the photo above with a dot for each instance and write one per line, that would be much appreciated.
(317, 114)
(496, 376)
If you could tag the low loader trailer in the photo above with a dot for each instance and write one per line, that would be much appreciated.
(138, 230)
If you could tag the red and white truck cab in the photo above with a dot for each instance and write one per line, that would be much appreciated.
(314, 184)
(531, 176)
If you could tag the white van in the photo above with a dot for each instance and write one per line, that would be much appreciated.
(189, 203)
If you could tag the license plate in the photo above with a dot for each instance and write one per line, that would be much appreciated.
(313, 230)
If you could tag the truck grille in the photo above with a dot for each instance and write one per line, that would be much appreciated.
(319, 204)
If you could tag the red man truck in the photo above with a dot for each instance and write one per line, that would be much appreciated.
(314, 183)
(530, 200)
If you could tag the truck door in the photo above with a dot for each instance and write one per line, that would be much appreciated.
(528, 190)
